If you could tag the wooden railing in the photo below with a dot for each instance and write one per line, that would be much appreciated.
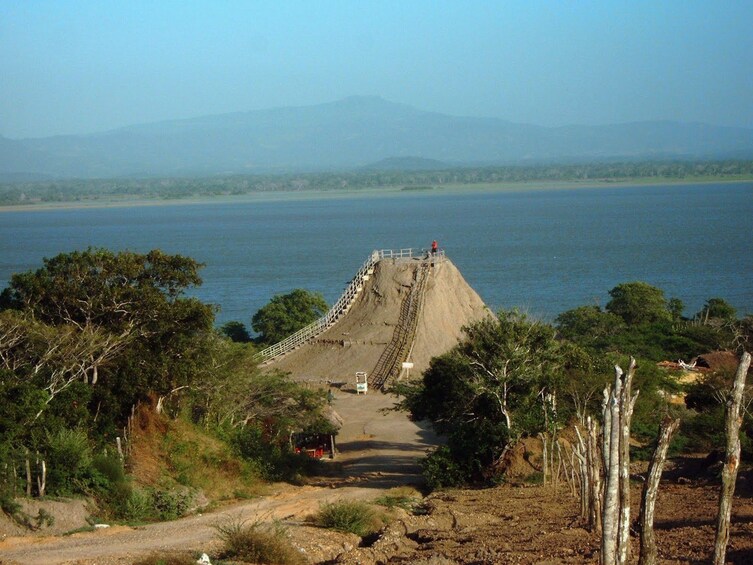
(346, 300)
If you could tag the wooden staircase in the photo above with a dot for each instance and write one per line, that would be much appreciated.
(390, 363)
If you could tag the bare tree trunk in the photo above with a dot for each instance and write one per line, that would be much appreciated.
(563, 463)
(581, 453)
(28, 475)
(611, 513)
(651, 488)
(733, 420)
(544, 455)
(556, 472)
(627, 403)
(42, 479)
(594, 466)
(574, 487)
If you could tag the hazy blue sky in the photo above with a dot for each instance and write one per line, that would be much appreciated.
(83, 66)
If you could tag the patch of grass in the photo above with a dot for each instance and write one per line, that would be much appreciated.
(81, 530)
(198, 460)
(353, 517)
(258, 543)
(167, 558)
(406, 498)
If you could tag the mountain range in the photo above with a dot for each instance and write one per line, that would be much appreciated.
(353, 133)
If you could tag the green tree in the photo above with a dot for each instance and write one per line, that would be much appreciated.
(638, 303)
(487, 391)
(588, 325)
(675, 307)
(236, 331)
(122, 316)
(285, 314)
(717, 308)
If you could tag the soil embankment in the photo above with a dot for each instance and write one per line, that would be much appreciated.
(356, 341)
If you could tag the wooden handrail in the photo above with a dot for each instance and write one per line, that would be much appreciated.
(346, 300)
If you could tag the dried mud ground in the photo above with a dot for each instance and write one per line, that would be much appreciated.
(519, 524)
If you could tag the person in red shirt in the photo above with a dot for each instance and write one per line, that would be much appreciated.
(434, 247)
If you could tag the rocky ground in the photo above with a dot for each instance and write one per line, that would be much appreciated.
(538, 524)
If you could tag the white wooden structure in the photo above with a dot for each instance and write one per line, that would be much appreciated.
(362, 383)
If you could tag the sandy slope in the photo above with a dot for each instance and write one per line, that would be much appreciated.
(356, 342)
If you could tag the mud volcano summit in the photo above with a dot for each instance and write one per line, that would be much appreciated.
(402, 306)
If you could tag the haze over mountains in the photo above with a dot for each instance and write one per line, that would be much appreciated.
(356, 132)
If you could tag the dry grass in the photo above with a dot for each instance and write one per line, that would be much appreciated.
(258, 543)
(167, 558)
(165, 451)
(354, 517)
(406, 497)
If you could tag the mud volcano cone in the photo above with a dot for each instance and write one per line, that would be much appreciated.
(408, 310)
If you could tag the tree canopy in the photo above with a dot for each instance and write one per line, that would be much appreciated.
(717, 308)
(287, 313)
(491, 388)
(638, 302)
(92, 334)
(116, 318)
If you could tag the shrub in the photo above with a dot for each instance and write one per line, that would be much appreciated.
(440, 469)
(138, 506)
(170, 504)
(69, 461)
(406, 498)
(257, 543)
(166, 558)
(350, 517)
(272, 461)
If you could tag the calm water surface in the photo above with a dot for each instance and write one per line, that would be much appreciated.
(544, 251)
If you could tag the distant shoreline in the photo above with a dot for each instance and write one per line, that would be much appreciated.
(333, 194)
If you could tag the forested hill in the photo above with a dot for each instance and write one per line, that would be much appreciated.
(428, 176)
(351, 133)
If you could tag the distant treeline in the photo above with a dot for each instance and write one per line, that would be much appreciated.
(20, 193)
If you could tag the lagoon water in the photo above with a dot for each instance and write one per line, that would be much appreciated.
(543, 250)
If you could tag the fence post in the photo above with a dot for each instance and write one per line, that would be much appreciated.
(733, 420)
(650, 489)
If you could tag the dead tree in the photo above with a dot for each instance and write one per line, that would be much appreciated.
(584, 475)
(627, 404)
(650, 489)
(733, 420)
(544, 457)
(617, 413)
(593, 458)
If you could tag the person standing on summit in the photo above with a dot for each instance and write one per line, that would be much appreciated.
(434, 247)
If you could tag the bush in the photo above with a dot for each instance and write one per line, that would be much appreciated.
(256, 543)
(441, 470)
(138, 506)
(350, 517)
(407, 498)
(170, 504)
(272, 461)
(143, 505)
(69, 461)
(166, 558)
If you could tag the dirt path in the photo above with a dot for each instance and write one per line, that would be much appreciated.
(378, 450)
(378, 446)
